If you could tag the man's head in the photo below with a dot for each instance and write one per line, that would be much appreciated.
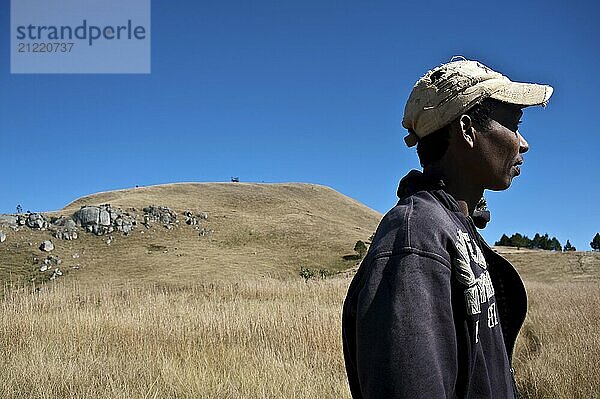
(466, 115)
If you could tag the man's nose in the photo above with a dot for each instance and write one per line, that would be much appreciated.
(523, 144)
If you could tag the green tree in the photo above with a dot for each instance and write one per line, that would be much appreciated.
(504, 241)
(595, 244)
(361, 248)
(545, 242)
(519, 240)
(555, 244)
(568, 247)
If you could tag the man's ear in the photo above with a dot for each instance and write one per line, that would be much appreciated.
(466, 130)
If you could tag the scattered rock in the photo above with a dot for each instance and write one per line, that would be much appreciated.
(36, 221)
(204, 232)
(194, 219)
(49, 262)
(160, 214)
(190, 218)
(57, 273)
(47, 246)
(52, 260)
(65, 234)
(75, 256)
(65, 228)
(9, 220)
(124, 223)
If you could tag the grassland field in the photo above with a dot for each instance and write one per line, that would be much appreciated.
(120, 329)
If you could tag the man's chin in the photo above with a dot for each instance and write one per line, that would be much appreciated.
(501, 186)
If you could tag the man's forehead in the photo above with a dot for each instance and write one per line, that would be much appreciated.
(509, 109)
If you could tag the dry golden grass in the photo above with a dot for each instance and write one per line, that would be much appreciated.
(558, 351)
(559, 346)
(253, 339)
(262, 339)
(554, 267)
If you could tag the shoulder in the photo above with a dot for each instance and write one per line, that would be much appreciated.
(417, 224)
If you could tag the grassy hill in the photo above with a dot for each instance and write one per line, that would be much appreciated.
(536, 265)
(269, 230)
(260, 230)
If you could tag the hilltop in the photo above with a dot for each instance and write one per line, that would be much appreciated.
(256, 230)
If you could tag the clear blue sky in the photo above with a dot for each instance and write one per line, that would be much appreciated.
(308, 91)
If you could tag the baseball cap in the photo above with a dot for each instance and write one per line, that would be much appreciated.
(451, 89)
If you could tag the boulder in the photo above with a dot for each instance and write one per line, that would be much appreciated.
(36, 221)
(2, 236)
(87, 216)
(47, 246)
(104, 218)
(65, 222)
(9, 220)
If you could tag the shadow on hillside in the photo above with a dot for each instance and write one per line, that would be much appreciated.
(351, 257)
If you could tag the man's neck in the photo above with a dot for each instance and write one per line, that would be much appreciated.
(466, 194)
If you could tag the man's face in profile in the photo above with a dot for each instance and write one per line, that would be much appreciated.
(500, 148)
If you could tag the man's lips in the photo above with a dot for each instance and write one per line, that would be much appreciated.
(517, 167)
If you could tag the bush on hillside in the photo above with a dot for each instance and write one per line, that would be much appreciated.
(361, 248)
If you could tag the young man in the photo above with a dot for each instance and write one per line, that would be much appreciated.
(433, 312)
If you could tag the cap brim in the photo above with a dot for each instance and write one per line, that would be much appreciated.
(524, 94)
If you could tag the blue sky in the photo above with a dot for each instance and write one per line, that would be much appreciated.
(308, 91)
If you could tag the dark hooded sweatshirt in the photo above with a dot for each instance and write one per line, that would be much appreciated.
(432, 312)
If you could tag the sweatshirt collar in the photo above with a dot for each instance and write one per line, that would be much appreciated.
(416, 181)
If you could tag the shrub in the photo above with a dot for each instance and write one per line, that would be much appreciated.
(361, 248)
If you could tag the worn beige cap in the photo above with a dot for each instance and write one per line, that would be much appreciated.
(446, 92)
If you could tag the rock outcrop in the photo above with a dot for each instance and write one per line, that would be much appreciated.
(36, 221)
(9, 220)
(65, 228)
(160, 214)
(104, 219)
